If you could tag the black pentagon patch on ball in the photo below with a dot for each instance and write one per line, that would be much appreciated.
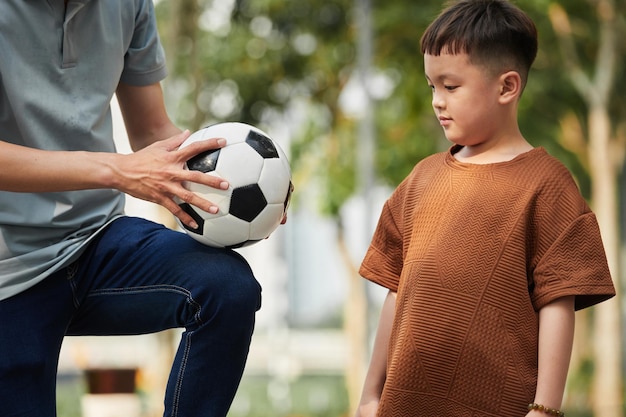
(288, 197)
(242, 244)
(204, 162)
(247, 202)
(262, 144)
(194, 214)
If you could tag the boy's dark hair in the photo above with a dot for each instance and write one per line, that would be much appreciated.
(493, 33)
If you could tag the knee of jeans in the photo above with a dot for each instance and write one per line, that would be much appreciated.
(233, 293)
(222, 290)
(242, 293)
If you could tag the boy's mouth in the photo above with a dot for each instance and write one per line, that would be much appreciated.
(444, 121)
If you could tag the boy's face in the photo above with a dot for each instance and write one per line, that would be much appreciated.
(465, 98)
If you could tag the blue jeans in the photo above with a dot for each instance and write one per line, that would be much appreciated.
(137, 277)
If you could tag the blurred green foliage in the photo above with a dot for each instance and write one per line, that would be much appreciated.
(266, 57)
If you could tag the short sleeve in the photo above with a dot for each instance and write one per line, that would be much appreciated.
(144, 62)
(383, 261)
(575, 264)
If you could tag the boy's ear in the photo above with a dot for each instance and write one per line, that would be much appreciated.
(510, 86)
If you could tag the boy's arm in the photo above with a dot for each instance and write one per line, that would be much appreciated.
(556, 335)
(377, 372)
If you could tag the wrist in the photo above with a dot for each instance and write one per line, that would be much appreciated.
(110, 173)
(535, 408)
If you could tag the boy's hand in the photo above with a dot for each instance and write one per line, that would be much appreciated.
(367, 410)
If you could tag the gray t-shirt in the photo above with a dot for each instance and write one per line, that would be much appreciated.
(58, 72)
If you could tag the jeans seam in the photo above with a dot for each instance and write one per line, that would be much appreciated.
(153, 288)
(146, 288)
(72, 270)
(179, 378)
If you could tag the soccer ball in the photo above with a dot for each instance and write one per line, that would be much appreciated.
(260, 186)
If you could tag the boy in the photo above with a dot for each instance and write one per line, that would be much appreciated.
(487, 249)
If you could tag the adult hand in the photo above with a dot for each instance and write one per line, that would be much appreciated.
(156, 173)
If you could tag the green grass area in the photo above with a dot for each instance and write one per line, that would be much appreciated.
(258, 396)
(69, 390)
(262, 396)
(307, 396)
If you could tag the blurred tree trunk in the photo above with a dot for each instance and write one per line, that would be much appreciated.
(605, 156)
(355, 326)
(188, 13)
(181, 33)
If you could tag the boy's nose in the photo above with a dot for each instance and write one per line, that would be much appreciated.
(438, 102)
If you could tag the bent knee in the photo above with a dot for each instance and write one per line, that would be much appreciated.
(234, 294)
(240, 288)
(242, 292)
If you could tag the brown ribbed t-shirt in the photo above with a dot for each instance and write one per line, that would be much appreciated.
(474, 252)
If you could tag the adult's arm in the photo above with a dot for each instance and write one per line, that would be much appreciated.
(153, 173)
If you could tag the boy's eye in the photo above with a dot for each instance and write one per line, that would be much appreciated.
(447, 87)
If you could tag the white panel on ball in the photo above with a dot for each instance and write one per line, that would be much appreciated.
(241, 165)
(275, 189)
(220, 198)
(269, 220)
